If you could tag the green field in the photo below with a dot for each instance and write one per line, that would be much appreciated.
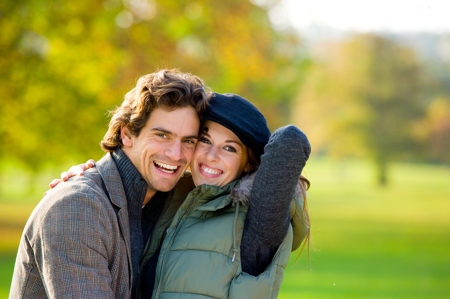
(372, 242)
(369, 242)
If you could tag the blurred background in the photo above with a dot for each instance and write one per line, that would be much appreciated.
(367, 81)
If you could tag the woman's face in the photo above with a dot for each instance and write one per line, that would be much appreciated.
(219, 158)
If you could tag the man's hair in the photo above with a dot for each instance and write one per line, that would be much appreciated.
(167, 89)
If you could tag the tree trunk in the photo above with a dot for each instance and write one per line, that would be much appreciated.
(382, 168)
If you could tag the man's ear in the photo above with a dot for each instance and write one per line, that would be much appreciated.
(125, 133)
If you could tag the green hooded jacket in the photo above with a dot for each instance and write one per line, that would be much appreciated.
(200, 255)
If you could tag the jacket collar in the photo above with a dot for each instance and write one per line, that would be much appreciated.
(239, 190)
(113, 183)
(107, 169)
(214, 197)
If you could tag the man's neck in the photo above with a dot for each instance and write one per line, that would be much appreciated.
(148, 195)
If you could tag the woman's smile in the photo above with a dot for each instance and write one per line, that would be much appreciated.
(220, 157)
(209, 171)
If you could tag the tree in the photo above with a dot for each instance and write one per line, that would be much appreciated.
(436, 131)
(64, 63)
(363, 98)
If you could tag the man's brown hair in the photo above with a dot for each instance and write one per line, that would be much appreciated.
(168, 89)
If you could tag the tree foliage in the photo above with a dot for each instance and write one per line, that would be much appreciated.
(64, 63)
(363, 98)
(435, 131)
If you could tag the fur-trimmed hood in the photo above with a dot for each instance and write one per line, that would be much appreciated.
(241, 193)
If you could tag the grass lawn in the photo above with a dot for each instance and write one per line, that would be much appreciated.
(373, 242)
(6, 270)
(369, 242)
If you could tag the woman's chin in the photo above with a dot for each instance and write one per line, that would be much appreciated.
(208, 181)
(202, 181)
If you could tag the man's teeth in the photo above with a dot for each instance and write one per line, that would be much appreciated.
(166, 168)
(167, 171)
(210, 171)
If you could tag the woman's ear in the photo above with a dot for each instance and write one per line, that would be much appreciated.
(125, 133)
(249, 167)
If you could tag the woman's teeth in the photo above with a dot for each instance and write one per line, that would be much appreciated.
(210, 171)
(165, 168)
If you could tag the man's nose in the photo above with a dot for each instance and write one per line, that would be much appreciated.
(174, 151)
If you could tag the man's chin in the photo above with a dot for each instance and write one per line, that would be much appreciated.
(163, 182)
(163, 186)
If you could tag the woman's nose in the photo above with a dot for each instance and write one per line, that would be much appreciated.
(212, 154)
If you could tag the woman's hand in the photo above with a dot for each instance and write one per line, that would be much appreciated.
(74, 170)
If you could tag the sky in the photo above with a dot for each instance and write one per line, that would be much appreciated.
(364, 15)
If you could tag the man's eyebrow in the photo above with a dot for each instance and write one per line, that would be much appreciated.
(159, 129)
(162, 130)
(191, 137)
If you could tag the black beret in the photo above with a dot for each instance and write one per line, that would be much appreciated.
(242, 118)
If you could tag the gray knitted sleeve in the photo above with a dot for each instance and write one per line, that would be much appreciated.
(268, 220)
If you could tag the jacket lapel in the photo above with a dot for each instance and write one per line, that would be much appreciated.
(114, 186)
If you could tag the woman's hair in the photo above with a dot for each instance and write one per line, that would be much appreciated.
(253, 160)
(168, 89)
(304, 184)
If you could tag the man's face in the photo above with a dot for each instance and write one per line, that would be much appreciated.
(164, 147)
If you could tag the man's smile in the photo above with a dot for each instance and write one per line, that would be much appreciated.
(166, 168)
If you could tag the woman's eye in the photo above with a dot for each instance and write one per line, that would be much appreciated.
(204, 140)
(230, 149)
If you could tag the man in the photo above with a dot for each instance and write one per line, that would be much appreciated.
(86, 238)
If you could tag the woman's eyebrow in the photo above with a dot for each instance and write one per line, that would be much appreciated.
(234, 141)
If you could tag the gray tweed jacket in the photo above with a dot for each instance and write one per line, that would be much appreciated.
(76, 243)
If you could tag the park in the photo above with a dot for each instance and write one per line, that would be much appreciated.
(374, 103)
(368, 242)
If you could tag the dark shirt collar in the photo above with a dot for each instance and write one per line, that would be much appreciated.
(134, 185)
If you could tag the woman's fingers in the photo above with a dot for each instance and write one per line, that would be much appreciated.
(65, 176)
(79, 169)
(89, 164)
(74, 170)
(54, 183)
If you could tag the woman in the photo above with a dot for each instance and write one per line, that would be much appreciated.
(233, 234)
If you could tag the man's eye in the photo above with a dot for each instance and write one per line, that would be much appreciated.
(189, 141)
(230, 149)
(162, 135)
